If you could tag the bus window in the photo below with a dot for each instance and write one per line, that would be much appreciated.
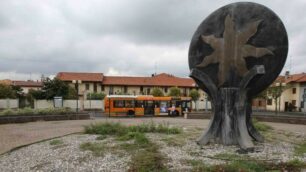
(118, 103)
(163, 107)
(129, 103)
(157, 104)
(139, 103)
(177, 104)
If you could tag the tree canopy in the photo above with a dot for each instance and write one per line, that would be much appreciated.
(174, 92)
(194, 94)
(157, 92)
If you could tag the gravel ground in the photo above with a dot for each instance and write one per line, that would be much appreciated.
(63, 157)
(67, 156)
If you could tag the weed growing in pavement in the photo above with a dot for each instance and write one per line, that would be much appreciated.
(97, 148)
(56, 142)
(300, 149)
(261, 126)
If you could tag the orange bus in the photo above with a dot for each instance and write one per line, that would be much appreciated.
(127, 105)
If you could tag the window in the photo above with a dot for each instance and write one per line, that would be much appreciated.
(293, 90)
(302, 104)
(259, 103)
(139, 103)
(185, 91)
(87, 86)
(102, 88)
(125, 89)
(118, 103)
(148, 91)
(166, 89)
(269, 102)
(141, 89)
(111, 90)
(294, 102)
(129, 103)
(95, 87)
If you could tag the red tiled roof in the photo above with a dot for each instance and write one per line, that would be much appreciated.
(69, 76)
(301, 77)
(27, 83)
(162, 79)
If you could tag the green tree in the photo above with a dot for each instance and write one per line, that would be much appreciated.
(195, 95)
(157, 92)
(18, 91)
(174, 92)
(6, 92)
(55, 87)
(275, 91)
(95, 96)
(72, 93)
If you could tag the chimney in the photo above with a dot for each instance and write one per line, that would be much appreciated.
(287, 74)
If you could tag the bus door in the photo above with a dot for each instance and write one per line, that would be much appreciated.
(149, 107)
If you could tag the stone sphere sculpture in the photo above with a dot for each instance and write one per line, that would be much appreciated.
(235, 53)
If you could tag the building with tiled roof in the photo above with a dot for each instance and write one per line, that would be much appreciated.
(28, 85)
(84, 81)
(132, 85)
(292, 97)
(144, 85)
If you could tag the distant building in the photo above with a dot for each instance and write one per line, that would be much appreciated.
(28, 85)
(86, 82)
(292, 98)
(97, 82)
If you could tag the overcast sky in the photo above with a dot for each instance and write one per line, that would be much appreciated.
(118, 37)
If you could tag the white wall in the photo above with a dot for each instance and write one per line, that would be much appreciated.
(9, 103)
(43, 104)
(94, 104)
(201, 105)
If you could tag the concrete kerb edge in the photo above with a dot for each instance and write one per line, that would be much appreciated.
(43, 140)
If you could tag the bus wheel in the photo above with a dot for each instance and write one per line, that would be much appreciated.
(176, 113)
(131, 113)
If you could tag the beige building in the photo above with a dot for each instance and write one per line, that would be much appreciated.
(97, 82)
(291, 98)
(28, 85)
(84, 82)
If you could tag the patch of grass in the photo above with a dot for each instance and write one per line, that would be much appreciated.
(97, 149)
(229, 156)
(199, 166)
(101, 137)
(174, 141)
(106, 128)
(139, 138)
(56, 142)
(110, 128)
(261, 126)
(296, 163)
(300, 149)
(149, 159)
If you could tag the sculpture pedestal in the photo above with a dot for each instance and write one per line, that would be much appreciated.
(231, 122)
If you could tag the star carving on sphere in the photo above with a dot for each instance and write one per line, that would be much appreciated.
(231, 50)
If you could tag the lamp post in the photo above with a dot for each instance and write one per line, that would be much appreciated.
(77, 82)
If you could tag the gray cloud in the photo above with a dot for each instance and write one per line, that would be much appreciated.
(117, 37)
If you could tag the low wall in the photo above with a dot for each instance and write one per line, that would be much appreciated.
(265, 118)
(43, 104)
(86, 104)
(94, 104)
(32, 118)
(9, 103)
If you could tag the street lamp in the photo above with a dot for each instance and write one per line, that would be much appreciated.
(77, 82)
